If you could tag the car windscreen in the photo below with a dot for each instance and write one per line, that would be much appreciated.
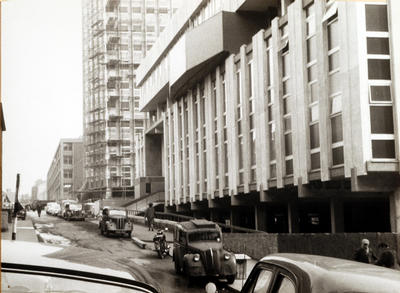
(75, 207)
(205, 236)
(12, 282)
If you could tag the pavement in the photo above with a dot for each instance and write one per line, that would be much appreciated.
(24, 232)
(141, 236)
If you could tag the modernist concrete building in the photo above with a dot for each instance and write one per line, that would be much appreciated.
(281, 116)
(116, 35)
(66, 173)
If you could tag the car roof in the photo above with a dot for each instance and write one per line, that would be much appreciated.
(197, 224)
(328, 274)
(39, 254)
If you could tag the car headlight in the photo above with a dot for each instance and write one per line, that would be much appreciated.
(227, 256)
(196, 257)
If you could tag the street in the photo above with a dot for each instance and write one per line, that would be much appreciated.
(85, 245)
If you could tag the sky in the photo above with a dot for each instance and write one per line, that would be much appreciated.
(41, 68)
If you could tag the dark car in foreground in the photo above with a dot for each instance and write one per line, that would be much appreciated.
(302, 273)
(30, 267)
(198, 251)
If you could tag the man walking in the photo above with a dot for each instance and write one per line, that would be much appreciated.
(149, 216)
(365, 253)
(39, 210)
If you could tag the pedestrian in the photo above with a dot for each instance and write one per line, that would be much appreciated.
(149, 216)
(365, 253)
(387, 257)
(39, 210)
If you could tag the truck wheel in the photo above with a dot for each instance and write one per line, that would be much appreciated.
(129, 234)
(230, 279)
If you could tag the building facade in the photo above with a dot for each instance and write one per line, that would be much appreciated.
(116, 36)
(286, 120)
(66, 173)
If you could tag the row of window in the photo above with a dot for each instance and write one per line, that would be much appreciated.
(379, 82)
(381, 106)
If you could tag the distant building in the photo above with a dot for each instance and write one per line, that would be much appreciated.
(39, 191)
(34, 192)
(281, 116)
(65, 176)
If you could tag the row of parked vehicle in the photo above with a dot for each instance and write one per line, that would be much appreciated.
(70, 210)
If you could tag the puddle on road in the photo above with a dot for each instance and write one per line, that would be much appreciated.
(140, 261)
(55, 239)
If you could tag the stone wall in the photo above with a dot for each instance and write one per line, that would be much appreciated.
(341, 245)
(258, 245)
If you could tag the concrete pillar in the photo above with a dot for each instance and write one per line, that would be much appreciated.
(300, 92)
(245, 128)
(233, 217)
(260, 217)
(323, 84)
(293, 217)
(261, 73)
(395, 211)
(337, 216)
(277, 106)
(213, 215)
(108, 193)
(230, 82)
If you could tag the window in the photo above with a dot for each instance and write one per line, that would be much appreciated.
(67, 173)
(263, 281)
(150, 28)
(312, 75)
(68, 160)
(148, 187)
(270, 102)
(286, 101)
(252, 111)
(334, 89)
(376, 18)
(379, 79)
(67, 146)
(286, 285)
(125, 105)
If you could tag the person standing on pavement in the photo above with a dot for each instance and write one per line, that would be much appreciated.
(149, 216)
(39, 210)
(387, 257)
(365, 253)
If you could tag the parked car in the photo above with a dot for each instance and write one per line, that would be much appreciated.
(302, 273)
(115, 221)
(53, 208)
(73, 211)
(89, 210)
(198, 251)
(26, 267)
(63, 205)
